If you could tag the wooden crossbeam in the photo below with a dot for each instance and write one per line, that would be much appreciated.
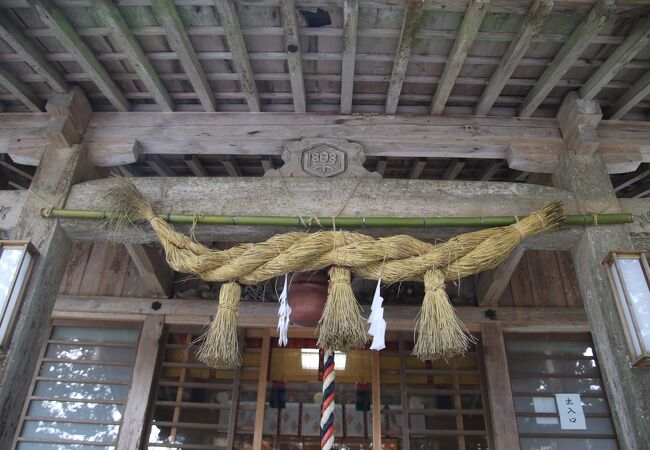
(568, 54)
(195, 165)
(529, 30)
(294, 55)
(65, 33)
(453, 169)
(412, 15)
(624, 53)
(638, 91)
(107, 13)
(167, 15)
(232, 31)
(265, 314)
(159, 166)
(28, 51)
(21, 91)
(350, 19)
(466, 34)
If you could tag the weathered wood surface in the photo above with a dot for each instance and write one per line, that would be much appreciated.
(504, 420)
(134, 419)
(265, 314)
(294, 53)
(154, 272)
(639, 91)
(319, 197)
(412, 14)
(531, 145)
(627, 388)
(11, 202)
(568, 54)
(82, 55)
(350, 21)
(20, 90)
(474, 15)
(491, 284)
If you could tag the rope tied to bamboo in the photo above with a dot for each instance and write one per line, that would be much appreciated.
(341, 328)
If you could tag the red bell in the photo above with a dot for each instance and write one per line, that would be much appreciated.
(307, 296)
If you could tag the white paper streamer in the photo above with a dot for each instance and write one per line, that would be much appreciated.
(284, 312)
(376, 320)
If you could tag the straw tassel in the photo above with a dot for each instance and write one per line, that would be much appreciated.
(220, 347)
(440, 333)
(341, 328)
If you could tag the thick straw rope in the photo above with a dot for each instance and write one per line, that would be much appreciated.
(393, 259)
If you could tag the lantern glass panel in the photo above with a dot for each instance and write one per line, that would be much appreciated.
(15, 262)
(635, 293)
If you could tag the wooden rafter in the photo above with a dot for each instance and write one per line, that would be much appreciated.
(568, 54)
(21, 91)
(530, 28)
(232, 31)
(195, 165)
(490, 170)
(231, 166)
(412, 16)
(28, 51)
(416, 169)
(107, 13)
(350, 19)
(159, 166)
(178, 40)
(633, 44)
(294, 54)
(453, 169)
(466, 35)
(639, 91)
(65, 33)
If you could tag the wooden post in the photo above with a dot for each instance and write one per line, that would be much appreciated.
(261, 389)
(134, 420)
(504, 422)
(60, 167)
(376, 401)
(628, 391)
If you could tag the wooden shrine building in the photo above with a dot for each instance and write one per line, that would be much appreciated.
(322, 109)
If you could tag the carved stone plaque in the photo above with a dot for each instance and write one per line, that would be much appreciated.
(323, 161)
(323, 158)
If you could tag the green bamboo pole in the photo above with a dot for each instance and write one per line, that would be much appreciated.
(351, 222)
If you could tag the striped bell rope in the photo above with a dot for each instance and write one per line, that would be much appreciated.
(327, 409)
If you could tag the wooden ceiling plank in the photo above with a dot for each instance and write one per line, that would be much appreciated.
(624, 53)
(159, 166)
(416, 169)
(531, 27)
(107, 13)
(453, 169)
(350, 20)
(567, 56)
(232, 31)
(65, 33)
(412, 15)
(638, 91)
(294, 55)
(168, 16)
(28, 51)
(195, 165)
(21, 91)
(466, 34)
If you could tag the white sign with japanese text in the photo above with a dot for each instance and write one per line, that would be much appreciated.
(572, 417)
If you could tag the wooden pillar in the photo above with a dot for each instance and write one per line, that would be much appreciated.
(134, 421)
(61, 165)
(504, 421)
(376, 401)
(627, 388)
(261, 389)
